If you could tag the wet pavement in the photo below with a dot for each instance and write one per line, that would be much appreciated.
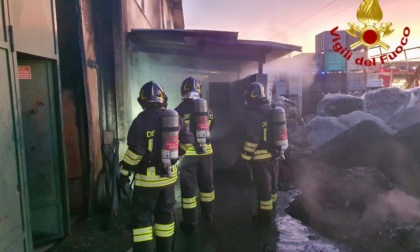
(232, 229)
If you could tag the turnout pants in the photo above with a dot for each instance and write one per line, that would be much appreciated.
(153, 210)
(265, 174)
(196, 170)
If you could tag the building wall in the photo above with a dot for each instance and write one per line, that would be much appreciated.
(137, 14)
(169, 71)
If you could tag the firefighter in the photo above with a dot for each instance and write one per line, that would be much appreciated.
(258, 153)
(153, 198)
(196, 167)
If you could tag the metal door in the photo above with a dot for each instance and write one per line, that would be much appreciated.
(14, 231)
(41, 149)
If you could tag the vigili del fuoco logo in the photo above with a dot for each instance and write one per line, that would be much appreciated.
(370, 34)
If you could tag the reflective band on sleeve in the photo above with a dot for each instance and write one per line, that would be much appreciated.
(261, 154)
(132, 158)
(143, 234)
(124, 171)
(250, 147)
(189, 203)
(246, 157)
(207, 197)
(274, 197)
(266, 205)
(165, 230)
(251, 144)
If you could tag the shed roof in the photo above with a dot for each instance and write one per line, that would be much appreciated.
(207, 43)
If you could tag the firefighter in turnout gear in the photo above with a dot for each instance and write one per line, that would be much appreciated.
(153, 198)
(196, 167)
(257, 151)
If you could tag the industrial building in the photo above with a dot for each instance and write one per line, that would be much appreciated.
(69, 76)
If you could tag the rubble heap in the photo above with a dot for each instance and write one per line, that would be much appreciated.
(358, 166)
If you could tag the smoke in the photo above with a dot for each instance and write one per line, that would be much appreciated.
(292, 74)
(395, 206)
(353, 204)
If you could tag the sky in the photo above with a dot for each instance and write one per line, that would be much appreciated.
(297, 22)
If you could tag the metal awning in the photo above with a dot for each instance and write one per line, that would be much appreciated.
(208, 44)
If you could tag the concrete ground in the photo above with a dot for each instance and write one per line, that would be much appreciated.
(232, 229)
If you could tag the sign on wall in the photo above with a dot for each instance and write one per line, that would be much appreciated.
(24, 73)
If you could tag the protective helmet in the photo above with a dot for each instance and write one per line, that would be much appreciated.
(254, 92)
(152, 94)
(190, 87)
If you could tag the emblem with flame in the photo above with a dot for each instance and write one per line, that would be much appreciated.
(370, 14)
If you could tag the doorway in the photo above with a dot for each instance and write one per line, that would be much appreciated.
(40, 108)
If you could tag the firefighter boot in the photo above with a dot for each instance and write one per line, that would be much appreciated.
(143, 246)
(207, 211)
(188, 227)
(164, 244)
(263, 217)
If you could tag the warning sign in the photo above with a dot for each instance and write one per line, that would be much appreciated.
(24, 73)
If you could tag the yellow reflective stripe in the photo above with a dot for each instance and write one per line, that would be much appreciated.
(132, 155)
(132, 158)
(184, 146)
(152, 180)
(250, 147)
(142, 234)
(124, 171)
(261, 156)
(151, 171)
(189, 203)
(141, 231)
(251, 144)
(129, 161)
(266, 205)
(165, 230)
(207, 197)
(258, 152)
(265, 134)
(150, 145)
(274, 197)
(143, 238)
(246, 157)
(191, 151)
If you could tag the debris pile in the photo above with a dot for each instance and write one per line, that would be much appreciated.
(358, 166)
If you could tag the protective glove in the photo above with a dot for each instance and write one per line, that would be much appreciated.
(125, 186)
(278, 155)
(245, 166)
